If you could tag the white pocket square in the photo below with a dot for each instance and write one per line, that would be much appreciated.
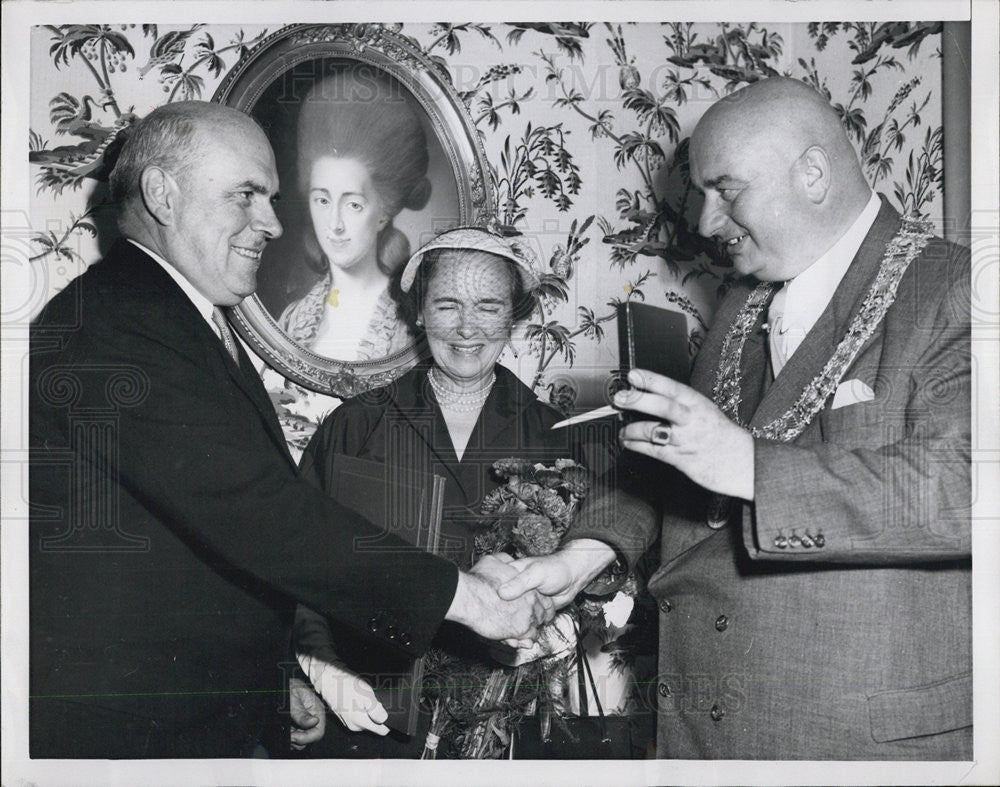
(851, 392)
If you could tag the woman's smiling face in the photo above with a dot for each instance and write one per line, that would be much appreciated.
(345, 210)
(468, 311)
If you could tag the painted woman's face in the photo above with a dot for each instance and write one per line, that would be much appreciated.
(468, 312)
(345, 211)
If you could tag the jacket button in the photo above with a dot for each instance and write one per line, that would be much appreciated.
(794, 540)
(721, 623)
(665, 606)
(404, 639)
(373, 625)
(819, 541)
(807, 541)
(780, 542)
(717, 713)
(663, 690)
(390, 632)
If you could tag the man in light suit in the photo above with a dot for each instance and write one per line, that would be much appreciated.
(171, 534)
(814, 480)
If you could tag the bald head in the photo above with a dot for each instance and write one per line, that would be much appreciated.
(781, 180)
(783, 116)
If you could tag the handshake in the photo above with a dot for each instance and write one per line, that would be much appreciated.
(500, 598)
(505, 599)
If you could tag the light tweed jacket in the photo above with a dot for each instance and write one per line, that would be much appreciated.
(831, 619)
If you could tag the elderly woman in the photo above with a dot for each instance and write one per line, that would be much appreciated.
(456, 415)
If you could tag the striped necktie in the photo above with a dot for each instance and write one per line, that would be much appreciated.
(782, 339)
(225, 333)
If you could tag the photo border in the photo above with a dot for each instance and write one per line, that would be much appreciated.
(20, 17)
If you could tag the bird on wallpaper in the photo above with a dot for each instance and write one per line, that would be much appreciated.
(575, 29)
(166, 48)
(897, 35)
(716, 57)
(699, 53)
(76, 117)
(566, 34)
(73, 116)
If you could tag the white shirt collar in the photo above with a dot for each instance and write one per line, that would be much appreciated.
(807, 295)
(201, 303)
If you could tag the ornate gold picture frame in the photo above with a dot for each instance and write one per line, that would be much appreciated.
(272, 82)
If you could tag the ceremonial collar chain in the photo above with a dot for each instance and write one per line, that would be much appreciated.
(899, 253)
(470, 401)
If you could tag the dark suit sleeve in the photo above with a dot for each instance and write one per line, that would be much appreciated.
(623, 511)
(895, 486)
(194, 450)
(314, 466)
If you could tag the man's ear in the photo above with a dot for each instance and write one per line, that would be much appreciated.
(815, 169)
(160, 194)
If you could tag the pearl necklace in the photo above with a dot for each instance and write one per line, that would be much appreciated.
(468, 402)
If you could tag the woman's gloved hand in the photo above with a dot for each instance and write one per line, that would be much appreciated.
(349, 697)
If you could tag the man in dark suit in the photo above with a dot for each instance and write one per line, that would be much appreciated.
(814, 590)
(171, 533)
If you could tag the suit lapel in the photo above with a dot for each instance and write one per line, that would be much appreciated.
(413, 398)
(821, 342)
(179, 317)
(500, 411)
(247, 380)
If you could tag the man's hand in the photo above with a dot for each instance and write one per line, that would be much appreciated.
(478, 606)
(349, 697)
(307, 712)
(561, 575)
(692, 434)
(556, 638)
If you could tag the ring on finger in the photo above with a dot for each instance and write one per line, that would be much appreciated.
(661, 434)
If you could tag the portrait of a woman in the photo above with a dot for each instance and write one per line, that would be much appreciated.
(454, 416)
(362, 158)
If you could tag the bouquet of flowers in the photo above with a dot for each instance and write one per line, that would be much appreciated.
(476, 705)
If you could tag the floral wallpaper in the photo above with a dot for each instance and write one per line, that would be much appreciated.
(585, 126)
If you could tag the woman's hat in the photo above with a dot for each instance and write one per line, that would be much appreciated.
(479, 239)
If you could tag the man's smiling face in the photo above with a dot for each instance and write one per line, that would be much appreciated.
(752, 205)
(225, 215)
